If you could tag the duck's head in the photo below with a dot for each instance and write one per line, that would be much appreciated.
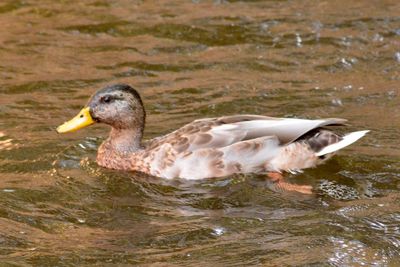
(119, 106)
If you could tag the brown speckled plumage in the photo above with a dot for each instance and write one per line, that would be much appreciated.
(211, 147)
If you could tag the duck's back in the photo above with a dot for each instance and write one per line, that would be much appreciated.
(245, 143)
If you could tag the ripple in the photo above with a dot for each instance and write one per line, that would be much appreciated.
(353, 252)
(338, 191)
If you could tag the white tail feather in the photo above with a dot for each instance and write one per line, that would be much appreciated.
(348, 139)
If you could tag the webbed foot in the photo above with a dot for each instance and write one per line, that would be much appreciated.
(281, 184)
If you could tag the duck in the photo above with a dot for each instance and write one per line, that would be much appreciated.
(208, 147)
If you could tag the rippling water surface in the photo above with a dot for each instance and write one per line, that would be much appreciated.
(193, 59)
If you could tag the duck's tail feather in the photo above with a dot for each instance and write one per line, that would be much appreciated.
(348, 139)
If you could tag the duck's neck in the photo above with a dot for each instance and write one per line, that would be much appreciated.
(124, 141)
(117, 150)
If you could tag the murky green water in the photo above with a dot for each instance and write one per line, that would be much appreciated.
(193, 59)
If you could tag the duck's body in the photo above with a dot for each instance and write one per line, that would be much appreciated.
(211, 147)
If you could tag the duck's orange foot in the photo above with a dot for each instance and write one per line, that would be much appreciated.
(281, 184)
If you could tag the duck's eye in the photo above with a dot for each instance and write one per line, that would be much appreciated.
(106, 99)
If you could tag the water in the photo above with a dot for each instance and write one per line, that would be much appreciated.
(194, 59)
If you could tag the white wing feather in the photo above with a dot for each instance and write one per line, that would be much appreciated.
(348, 139)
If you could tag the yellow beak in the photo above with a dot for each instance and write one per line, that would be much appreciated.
(81, 120)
